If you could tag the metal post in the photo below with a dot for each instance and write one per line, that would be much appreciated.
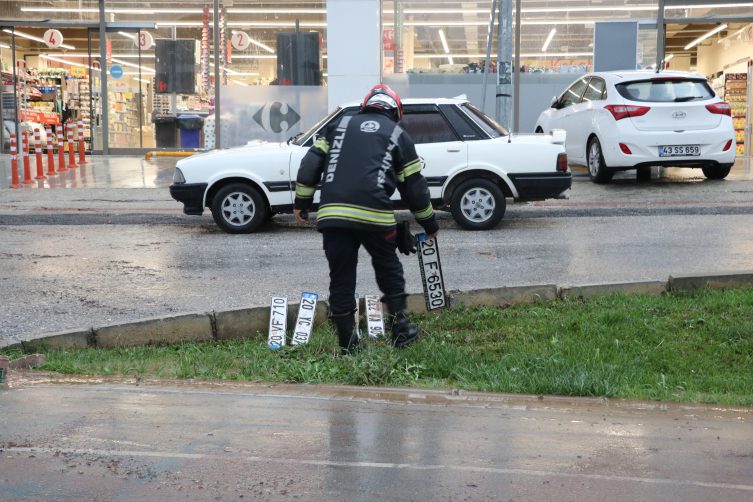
(487, 63)
(141, 98)
(216, 23)
(15, 81)
(660, 34)
(516, 71)
(381, 44)
(504, 66)
(103, 79)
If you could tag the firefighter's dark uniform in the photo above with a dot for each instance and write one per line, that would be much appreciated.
(360, 160)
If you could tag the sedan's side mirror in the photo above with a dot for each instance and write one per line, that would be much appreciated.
(554, 103)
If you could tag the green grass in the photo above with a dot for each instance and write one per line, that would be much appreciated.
(680, 347)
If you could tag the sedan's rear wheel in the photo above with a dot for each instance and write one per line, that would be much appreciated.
(597, 168)
(716, 172)
(478, 204)
(238, 208)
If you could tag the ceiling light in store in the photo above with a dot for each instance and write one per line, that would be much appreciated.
(705, 36)
(244, 84)
(129, 35)
(532, 55)
(444, 45)
(276, 11)
(247, 24)
(126, 63)
(142, 80)
(84, 10)
(69, 63)
(3, 46)
(253, 56)
(96, 55)
(671, 56)
(734, 34)
(548, 40)
(36, 39)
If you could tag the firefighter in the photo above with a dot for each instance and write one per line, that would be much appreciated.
(359, 161)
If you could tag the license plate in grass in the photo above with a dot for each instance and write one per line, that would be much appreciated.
(305, 321)
(431, 272)
(374, 318)
(278, 322)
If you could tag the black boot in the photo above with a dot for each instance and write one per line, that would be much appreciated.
(346, 335)
(403, 331)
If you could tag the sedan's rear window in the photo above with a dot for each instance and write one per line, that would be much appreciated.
(486, 123)
(668, 90)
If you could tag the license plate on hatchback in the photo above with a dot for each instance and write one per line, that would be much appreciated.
(680, 151)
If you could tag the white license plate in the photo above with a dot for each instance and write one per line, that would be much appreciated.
(305, 322)
(431, 272)
(680, 151)
(278, 322)
(374, 319)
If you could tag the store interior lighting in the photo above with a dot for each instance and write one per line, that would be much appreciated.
(36, 39)
(548, 40)
(141, 80)
(705, 36)
(669, 57)
(127, 35)
(69, 63)
(444, 45)
(126, 63)
(493, 56)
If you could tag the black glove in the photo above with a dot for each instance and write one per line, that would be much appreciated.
(406, 241)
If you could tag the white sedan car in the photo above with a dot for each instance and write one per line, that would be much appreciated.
(637, 119)
(471, 165)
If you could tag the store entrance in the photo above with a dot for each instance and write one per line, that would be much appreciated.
(724, 56)
(52, 75)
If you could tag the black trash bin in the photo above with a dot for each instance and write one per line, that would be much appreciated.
(165, 130)
(190, 130)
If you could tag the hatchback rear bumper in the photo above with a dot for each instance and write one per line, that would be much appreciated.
(644, 147)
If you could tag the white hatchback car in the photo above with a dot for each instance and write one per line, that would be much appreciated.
(637, 119)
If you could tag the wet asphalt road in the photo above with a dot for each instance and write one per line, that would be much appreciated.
(248, 442)
(81, 257)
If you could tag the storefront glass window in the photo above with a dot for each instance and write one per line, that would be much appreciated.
(272, 87)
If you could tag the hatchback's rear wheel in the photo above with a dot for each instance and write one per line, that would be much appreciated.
(597, 168)
(238, 208)
(716, 172)
(478, 204)
(643, 173)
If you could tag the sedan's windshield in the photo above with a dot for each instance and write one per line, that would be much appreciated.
(668, 90)
(300, 139)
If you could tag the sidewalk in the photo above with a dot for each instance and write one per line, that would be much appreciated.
(99, 172)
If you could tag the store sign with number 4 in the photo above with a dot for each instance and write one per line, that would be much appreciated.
(53, 39)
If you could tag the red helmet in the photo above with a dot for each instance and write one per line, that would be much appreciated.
(382, 97)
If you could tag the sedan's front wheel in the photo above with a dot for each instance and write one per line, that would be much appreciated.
(597, 168)
(238, 209)
(478, 204)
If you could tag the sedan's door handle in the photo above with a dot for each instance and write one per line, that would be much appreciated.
(453, 149)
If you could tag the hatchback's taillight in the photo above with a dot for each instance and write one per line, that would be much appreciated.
(727, 146)
(624, 111)
(720, 108)
(562, 162)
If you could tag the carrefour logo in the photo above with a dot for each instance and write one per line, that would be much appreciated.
(276, 117)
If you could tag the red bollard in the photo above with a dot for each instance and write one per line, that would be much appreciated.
(61, 150)
(38, 155)
(81, 147)
(50, 151)
(25, 155)
(15, 182)
(71, 151)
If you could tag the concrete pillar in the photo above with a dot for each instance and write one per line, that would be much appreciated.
(353, 45)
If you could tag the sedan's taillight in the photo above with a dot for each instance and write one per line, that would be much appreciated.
(562, 163)
(624, 111)
(727, 146)
(720, 108)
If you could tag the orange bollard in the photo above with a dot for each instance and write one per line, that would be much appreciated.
(25, 155)
(61, 150)
(15, 182)
(71, 151)
(81, 147)
(50, 151)
(38, 155)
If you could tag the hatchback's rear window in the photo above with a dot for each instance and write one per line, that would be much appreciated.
(669, 90)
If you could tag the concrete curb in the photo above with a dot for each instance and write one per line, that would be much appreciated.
(253, 321)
